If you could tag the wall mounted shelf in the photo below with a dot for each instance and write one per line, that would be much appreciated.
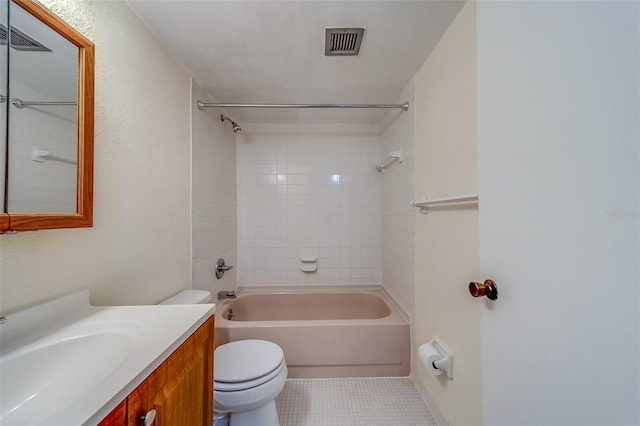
(458, 199)
(393, 157)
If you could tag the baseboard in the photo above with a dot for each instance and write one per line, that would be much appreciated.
(440, 419)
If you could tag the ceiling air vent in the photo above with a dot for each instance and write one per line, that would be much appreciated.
(342, 41)
(21, 41)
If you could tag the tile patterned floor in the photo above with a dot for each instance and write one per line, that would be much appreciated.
(352, 402)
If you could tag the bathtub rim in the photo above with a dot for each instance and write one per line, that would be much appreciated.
(397, 314)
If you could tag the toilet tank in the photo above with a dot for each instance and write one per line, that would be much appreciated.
(188, 297)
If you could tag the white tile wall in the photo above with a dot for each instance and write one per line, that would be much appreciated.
(311, 194)
(398, 217)
(48, 186)
(214, 199)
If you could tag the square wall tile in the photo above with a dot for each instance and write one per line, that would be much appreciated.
(317, 194)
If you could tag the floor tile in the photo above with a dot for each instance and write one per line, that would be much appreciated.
(375, 401)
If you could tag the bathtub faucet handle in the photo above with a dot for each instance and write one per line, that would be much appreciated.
(221, 268)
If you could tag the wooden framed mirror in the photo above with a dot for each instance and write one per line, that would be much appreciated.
(48, 167)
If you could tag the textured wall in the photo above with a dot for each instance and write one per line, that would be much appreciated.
(308, 193)
(138, 249)
(447, 238)
(214, 196)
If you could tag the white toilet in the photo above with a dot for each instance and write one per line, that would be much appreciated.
(248, 374)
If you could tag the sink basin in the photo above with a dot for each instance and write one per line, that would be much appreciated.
(38, 379)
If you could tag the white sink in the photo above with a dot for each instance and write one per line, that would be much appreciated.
(38, 379)
(67, 362)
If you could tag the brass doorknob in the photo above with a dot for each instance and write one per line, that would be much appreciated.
(487, 288)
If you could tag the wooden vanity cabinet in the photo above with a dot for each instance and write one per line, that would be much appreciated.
(180, 389)
(117, 417)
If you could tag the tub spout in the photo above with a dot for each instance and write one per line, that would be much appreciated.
(226, 295)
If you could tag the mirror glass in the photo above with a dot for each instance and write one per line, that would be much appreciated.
(42, 116)
(4, 61)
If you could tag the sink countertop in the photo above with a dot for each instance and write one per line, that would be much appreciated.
(132, 342)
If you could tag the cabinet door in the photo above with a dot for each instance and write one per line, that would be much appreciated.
(181, 389)
(118, 417)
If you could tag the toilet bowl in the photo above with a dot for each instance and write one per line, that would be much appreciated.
(248, 374)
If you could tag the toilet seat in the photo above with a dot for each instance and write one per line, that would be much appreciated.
(245, 364)
(238, 386)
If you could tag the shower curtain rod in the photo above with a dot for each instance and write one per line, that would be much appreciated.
(202, 105)
(19, 103)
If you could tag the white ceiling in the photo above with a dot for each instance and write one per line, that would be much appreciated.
(273, 51)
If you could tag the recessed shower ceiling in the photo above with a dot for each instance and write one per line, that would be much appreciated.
(273, 51)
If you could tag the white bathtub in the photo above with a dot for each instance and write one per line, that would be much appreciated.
(324, 333)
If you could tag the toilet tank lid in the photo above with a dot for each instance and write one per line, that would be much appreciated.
(189, 297)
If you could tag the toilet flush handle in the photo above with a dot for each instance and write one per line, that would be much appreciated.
(149, 418)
